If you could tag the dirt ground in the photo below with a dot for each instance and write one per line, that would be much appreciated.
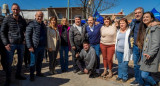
(69, 78)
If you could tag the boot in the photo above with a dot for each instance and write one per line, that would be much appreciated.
(105, 72)
(110, 74)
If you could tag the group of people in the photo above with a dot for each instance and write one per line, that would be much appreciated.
(138, 41)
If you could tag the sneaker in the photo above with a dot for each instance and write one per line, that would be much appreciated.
(20, 77)
(134, 83)
(118, 79)
(40, 75)
(80, 73)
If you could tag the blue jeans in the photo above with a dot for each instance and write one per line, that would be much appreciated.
(122, 66)
(97, 49)
(36, 60)
(137, 72)
(64, 57)
(20, 52)
(149, 81)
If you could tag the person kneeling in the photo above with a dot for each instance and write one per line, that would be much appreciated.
(87, 60)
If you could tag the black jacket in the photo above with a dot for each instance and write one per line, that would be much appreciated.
(33, 33)
(12, 31)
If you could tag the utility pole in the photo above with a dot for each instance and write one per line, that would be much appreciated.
(68, 10)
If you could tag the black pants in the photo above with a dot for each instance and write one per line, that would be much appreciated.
(3, 55)
(26, 56)
(74, 59)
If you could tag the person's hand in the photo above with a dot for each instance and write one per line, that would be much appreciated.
(113, 17)
(147, 56)
(85, 71)
(50, 49)
(77, 55)
(131, 41)
(154, 23)
(73, 47)
(31, 49)
(8, 47)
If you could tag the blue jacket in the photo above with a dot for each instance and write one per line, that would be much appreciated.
(94, 37)
(33, 34)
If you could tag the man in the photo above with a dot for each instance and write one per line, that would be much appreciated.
(36, 42)
(12, 35)
(76, 38)
(93, 32)
(87, 60)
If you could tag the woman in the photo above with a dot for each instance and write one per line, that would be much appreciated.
(149, 43)
(122, 50)
(65, 45)
(53, 43)
(107, 45)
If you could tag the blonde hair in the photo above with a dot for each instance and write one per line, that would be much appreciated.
(65, 19)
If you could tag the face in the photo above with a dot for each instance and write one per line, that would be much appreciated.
(39, 17)
(90, 21)
(86, 47)
(123, 25)
(138, 14)
(147, 19)
(45, 22)
(15, 10)
(64, 22)
(106, 22)
(116, 23)
(53, 21)
(96, 23)
(77, 21)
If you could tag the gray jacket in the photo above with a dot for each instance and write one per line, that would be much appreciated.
(89, 58)
(151, 47)
(75, 37)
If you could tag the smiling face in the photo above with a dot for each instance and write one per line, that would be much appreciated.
(138, 14)
(147, 19)
(77, 21)
(86, 46)
(123, 25)
(90, 21)
(53, 22)
(39, 16)
(15, 9)
(107, 22)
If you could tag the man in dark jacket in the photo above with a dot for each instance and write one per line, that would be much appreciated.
(76, 38)
(12, 35)
(36, 42)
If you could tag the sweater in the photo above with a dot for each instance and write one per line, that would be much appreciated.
(89, 58)
(94, 36)
(108, 35)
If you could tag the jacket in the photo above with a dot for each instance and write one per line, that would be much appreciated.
(51, 38)
(127, 54)
(12, 31)
(33, 33)
(151, 47)
(75, 37)
(60, 32)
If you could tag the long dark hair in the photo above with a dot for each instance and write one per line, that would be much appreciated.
(142, 31)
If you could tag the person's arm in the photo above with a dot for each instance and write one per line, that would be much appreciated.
(155, 43)
(29, 32)
(71, 38)
(4, 32)
(92, 60)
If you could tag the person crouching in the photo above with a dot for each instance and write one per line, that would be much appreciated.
(87, 60)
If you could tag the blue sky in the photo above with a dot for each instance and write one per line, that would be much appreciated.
(128, 6)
